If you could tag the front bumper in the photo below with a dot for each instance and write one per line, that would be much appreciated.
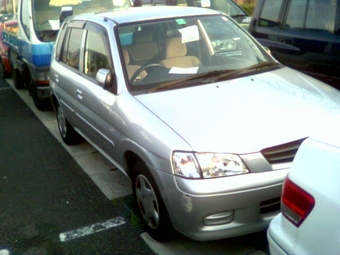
(277, 237)
(220, 208)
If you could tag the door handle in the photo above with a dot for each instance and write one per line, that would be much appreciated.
(289, 41)
(56, 76)
(79, 94)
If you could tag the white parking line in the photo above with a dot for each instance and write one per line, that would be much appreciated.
(4, 252)
(4, 89)
(88, 230)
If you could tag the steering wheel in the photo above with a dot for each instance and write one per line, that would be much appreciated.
(144, 68)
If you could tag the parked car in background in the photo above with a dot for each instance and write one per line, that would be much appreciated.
(5, 23)
(302, 34)
(309, 223)
(30, 48)
(193, 109)
(227, 6)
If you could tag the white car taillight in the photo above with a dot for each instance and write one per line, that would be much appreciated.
(296, 203)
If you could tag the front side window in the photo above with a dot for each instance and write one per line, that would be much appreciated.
(296, 14)
(71, 52)
(97, 53)
(25, 18)
(270, 13)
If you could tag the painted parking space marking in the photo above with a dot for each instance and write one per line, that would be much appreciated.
(89, 230)
(5, 88)
(4, 252)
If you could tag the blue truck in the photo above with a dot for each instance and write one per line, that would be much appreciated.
(30, 46)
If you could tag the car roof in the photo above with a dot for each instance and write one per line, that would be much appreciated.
(140, 14)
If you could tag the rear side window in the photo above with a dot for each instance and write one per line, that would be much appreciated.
(71, 52)
(311, 14)
(270, 13)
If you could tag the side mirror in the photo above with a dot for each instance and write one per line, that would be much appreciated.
(105, 79)
(65, 12)
(268, 50)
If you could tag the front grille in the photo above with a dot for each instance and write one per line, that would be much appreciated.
(282, 154)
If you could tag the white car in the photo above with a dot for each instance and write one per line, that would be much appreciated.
(309, 222)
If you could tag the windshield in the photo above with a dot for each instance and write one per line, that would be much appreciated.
(187, 52)
(46, 13)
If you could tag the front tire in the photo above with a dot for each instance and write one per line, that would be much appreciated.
(150, 204)
(67, 133)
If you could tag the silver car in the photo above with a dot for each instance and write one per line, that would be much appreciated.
(188, 105)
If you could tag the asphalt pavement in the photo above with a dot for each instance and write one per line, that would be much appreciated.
(48, 205)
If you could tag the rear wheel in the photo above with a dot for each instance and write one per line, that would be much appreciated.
(42, 105)
(18, 79)
(68, 134)
(3, 72)
(150, 204)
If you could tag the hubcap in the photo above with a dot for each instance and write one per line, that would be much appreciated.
(61, 122)
(147, 201)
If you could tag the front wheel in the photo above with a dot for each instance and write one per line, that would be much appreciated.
(67, 133)
(150, 204)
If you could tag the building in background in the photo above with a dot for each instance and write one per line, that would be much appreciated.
(6, 6)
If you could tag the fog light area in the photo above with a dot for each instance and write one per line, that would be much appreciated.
(219, 218)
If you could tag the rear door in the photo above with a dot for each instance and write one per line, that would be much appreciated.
(309, 32)
(65, 68)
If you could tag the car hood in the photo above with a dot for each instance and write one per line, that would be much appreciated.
(247, 114)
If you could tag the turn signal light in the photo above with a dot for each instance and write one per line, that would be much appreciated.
(296, 203)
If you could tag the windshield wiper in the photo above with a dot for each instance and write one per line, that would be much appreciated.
(232, 74)
(212, 76)
(239, 15)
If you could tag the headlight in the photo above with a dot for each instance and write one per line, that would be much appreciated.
(185, 164)
(207, 165)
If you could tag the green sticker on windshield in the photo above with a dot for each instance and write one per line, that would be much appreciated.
(180, 21)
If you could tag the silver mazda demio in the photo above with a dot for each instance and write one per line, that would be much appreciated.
(188, 105)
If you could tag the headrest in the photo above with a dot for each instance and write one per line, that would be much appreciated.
(173, 33)
(142, 36)
(175, 48)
